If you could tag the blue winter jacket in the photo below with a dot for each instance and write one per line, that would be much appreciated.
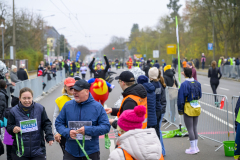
(151, 100)
(90, 110)
(158, 88)
(188, 91)
(156, 65)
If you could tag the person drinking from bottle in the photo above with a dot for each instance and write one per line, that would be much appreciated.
(188, 106)
(79, 119)
(27, 123)
(60, 101)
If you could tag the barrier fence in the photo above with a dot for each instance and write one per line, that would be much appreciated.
(229, 71)
(213, 123)
(36, 84)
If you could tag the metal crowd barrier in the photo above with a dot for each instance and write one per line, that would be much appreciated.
(36, 84)
(213, 123)
(229, 71)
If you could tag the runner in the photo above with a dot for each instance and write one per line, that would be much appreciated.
(29, 142)
(146, 145)
(60, 101)
(215, 75)
(99, 73)
(82, 116)
(83, 70)
(188, 105)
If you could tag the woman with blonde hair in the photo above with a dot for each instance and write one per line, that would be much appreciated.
(60, 101)
(215, 75)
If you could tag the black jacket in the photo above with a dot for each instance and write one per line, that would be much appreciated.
(168, 76)
(146, 68)
(213, 75)
(163, 101)
(3, 102)
(66, 67)
(22, 75)
(34, 142)
(99, 73)
(137, 90)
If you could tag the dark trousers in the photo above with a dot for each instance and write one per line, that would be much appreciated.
(91, 73)
(41, 157)
(83, 76)
(62, 144)
(157, 126)
(214, 89)
(203, 65)
(94, 156)
(9, 151)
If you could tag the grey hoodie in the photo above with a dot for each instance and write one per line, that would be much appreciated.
(14, 77)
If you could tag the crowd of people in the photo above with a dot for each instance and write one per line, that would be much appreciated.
(79, 118)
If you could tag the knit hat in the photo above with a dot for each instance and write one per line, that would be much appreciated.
(142, 79)
(132, 118)
(13, 67)
(153, 73)
(167, 67)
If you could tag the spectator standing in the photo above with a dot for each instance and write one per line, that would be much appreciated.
(13, 74)
(197, 63)
(66, 68)
(203, 60)
(21, 74)
(188, 106)
(147, 67)
(156, 64)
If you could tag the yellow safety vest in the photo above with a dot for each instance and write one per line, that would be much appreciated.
(60, 101)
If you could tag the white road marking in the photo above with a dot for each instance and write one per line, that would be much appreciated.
(217, 118)
(206, 84)
(224, 89)
(112, 147)
(215, 107)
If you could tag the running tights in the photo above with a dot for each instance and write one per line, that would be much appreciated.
(191, 124)
(214, 89)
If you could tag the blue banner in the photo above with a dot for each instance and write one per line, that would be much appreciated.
(69, 55)
(78, 55)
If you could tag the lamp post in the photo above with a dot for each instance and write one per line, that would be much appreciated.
(2, 26)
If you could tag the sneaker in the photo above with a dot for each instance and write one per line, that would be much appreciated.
(191, 151)
(197, 150)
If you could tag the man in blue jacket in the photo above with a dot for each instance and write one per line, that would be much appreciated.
(83, 109)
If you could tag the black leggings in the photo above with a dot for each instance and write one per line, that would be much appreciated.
(157, 126)
(83, 76)
(191, 124)
(214, 89)
(41, 157)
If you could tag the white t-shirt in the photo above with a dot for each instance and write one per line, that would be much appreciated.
(83, 69)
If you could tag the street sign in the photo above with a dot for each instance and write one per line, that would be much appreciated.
(171, 48)
(137, 56)
(144, 55)
(210, 46)
(155, 53)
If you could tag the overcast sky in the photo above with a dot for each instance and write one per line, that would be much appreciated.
(93, 22)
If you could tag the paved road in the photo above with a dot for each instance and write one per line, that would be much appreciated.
(175, 147)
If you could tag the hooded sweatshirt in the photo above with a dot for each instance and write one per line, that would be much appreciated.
(146, 145)
(168, 76)
(137, 90)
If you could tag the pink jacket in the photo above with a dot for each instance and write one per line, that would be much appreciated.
(203, 59)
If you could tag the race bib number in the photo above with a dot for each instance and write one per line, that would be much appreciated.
(77, 125)
(28, 125)
(195, 104)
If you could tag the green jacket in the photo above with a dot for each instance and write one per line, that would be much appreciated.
(219, 63)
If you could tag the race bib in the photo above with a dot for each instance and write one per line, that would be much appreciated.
(77, 125)
(195, 104)
(28, 125)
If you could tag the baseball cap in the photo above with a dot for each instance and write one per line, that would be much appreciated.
(126, 76)
(69, 81)
(80, 85)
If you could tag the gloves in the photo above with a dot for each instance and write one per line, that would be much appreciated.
(5, 122)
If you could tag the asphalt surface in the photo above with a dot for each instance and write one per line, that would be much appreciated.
(175, 147)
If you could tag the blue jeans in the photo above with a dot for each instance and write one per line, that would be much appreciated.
(161, 139)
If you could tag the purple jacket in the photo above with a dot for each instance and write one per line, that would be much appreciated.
(203, 59)
(7, 138)
(194, 73)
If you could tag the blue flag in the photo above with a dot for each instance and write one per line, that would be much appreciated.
(78, 55)
(69, 55)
